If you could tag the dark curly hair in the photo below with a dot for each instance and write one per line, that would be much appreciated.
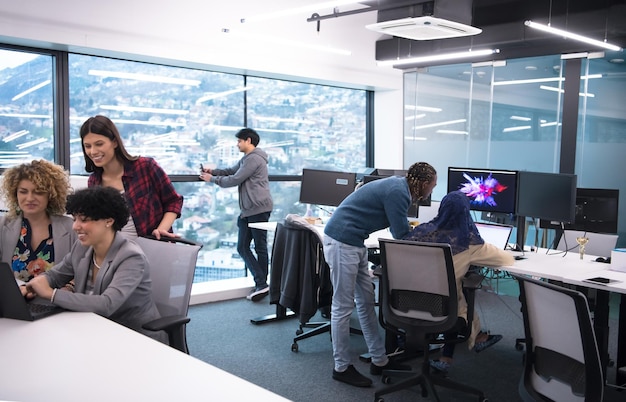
(99, 203)
(418, 173)
(102, 125)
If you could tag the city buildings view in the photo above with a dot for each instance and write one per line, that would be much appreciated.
(183, 118)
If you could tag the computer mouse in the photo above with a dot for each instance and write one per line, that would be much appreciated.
(602, 259)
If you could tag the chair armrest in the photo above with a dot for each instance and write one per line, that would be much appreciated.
(166, 323)
(472, 280)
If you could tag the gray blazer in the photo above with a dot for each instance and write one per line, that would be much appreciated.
(62, 233)
(122, 291)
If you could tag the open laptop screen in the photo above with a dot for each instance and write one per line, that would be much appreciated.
(498, 235)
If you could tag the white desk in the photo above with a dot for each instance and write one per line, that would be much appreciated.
(554, 265)
(370, 242)
(82, 356)
(570, 269)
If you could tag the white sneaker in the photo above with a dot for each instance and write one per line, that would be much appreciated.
(258, 294)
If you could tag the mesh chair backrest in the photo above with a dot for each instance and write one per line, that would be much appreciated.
(172, 267)
(419, 281)
(560, 342)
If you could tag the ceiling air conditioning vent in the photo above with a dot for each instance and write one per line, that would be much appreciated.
(424, 28)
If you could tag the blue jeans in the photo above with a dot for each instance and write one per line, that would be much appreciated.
(352, 282)
(258, 266)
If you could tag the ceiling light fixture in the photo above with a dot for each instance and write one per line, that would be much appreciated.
(442, 123)
(540, 80)
(516, 128)
(566, 34)
(144, 77)
(438, 57)
(31, 89)
(555, 89)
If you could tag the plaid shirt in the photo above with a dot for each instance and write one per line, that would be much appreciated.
(148, 192)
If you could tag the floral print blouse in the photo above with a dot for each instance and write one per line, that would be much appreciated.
(28, 263)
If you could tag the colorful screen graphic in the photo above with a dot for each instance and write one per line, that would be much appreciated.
(487, 189)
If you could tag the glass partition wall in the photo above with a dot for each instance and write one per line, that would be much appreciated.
(509, 115)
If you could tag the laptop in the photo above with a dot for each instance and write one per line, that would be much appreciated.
(496, 234)
(14, 305)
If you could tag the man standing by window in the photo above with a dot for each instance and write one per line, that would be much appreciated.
(251, 178)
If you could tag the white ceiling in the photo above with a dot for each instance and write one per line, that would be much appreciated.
(192, 30)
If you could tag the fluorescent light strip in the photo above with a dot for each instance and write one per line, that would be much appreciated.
(555, 89)
(15, 135)
(144, 109)
(287, 42)
(570, 35)
(539, 80)
(221, 94)
(550, 124)
(529, 81)
(452, 132)
(415, 138)
(517, 128)
(443, 123)
(298, 10)
(164, 123)
(33, 89)
(31, 143)
(415, 117)
(521, 118)
(283, 120)
(423, 108)
(144, 77)
(27, 115)
(437, 57)
(159, 138)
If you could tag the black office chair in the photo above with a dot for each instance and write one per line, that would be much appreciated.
(561, 361)
(419, 296)
(172, 266)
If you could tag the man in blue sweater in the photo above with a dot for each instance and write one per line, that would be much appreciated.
(377, 205)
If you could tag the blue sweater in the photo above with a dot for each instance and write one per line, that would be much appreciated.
(374, 206)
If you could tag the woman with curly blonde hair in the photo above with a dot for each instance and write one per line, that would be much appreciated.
(35, 233)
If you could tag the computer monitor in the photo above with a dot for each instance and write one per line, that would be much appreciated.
(489, 190)
(549, 196)
(326, 187)
(596, 211)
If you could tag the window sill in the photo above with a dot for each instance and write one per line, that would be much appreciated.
(226, 289)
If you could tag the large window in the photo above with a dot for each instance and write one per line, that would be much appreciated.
(26, 107)
(183, 117)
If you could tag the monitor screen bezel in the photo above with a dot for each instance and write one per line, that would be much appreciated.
(326, 190)
(535, 202)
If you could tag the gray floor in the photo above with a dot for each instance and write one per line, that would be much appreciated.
(221, 334)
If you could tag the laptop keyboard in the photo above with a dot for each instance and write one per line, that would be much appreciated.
(37, 308)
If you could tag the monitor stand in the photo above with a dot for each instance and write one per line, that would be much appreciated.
(521, 234)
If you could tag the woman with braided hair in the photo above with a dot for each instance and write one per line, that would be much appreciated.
(374, 206)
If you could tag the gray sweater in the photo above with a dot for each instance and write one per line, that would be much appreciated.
(251, 177)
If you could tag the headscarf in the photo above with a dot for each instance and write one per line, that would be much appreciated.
(453, 225)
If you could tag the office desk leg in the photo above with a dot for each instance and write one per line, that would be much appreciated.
(601, 326)
(621, 342)
(281, 314)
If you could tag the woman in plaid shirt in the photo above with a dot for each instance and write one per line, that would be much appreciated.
(153, 202)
